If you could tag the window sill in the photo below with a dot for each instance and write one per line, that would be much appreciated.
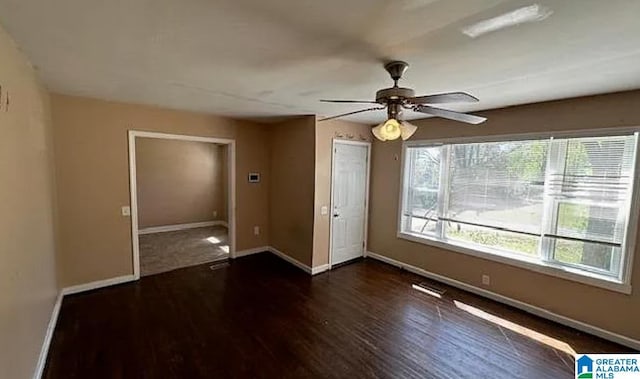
(522, 262)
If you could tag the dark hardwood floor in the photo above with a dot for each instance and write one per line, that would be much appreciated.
(260, 317)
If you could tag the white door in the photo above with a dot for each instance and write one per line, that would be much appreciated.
(350, 177)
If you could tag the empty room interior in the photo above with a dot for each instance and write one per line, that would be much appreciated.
(181, 189)
(319, 189)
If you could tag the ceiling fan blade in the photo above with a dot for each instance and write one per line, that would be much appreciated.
(451, 115)
(442, 98)
(350, 101)
(354, 112)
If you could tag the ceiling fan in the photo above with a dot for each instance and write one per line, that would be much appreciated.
(396, 99)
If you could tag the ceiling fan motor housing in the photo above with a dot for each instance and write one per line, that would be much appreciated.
(388, 95)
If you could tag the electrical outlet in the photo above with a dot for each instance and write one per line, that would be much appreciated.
(215, 214)
(256, 230)
(486, 280)
(125, 210)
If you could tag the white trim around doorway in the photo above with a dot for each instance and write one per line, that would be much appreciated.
(133, 134)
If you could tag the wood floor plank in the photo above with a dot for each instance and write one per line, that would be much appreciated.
(260, 317)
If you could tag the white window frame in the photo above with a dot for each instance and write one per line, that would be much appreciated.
(621, 284)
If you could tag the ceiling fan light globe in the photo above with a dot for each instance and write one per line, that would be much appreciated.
(377, 132)
(390, 129)
(407, 129)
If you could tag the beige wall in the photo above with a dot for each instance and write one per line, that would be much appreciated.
(92, 177)
(326, 131)
(606, 309)
(27, 258)
(179, 182)
(292, 187)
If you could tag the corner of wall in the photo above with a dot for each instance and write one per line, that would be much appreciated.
(28, 274)
(292, 168)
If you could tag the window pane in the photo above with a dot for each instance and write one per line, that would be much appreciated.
(499, 239)
(590, 191)
(590, 222)
(593, 255)
(422, 226)
(423, 180)
(595, 170)
(499, 184)
(562, 202)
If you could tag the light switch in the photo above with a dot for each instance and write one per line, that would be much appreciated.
(125, 210)
(324, 210)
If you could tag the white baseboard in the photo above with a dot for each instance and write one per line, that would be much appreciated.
(172, 228)
(319, 269)
(44, 351)
(97, 284)
(293, 261)
(313, 271)
(540, 312)
(255, 250)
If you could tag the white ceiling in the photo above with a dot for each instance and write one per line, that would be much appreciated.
(270, 58)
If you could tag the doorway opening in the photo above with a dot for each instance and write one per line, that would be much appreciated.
(350, 170)
(182, 200)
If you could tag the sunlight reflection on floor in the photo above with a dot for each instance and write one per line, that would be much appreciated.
(425, 290)
(549, 341)
(213, 240)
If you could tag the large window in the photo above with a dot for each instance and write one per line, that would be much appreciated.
(561, 203)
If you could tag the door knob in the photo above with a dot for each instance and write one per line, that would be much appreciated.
(336, 215)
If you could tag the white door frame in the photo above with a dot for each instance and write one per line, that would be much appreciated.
(367, 144)
(134, 195)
